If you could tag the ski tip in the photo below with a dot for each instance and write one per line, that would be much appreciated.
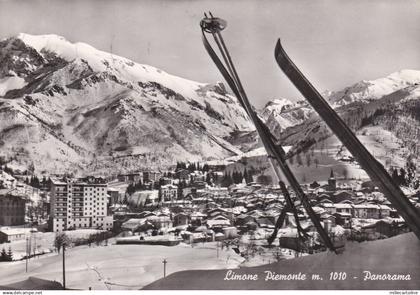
(279, 48)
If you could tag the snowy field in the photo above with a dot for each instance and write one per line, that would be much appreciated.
(43, 242)
(396, 255)
(119, 266)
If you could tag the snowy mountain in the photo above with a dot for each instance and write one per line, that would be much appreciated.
(397, 113)
(388, 125)
(280, 114)
(70, 107)
(374, 89)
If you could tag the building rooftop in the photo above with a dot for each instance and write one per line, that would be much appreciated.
(90, 180)
(17, 231)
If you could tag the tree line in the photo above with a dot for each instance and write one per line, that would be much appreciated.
(237, 177)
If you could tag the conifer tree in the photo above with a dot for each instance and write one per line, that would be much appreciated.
(9, 254)
(206, 168)
(246, 176)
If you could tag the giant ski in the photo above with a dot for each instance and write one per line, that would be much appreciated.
(373, 168)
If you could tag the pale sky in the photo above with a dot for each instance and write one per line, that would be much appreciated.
(335, 43)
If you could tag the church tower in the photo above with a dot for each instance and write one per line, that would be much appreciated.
(332, 183)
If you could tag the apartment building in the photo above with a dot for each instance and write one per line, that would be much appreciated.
(79, 203)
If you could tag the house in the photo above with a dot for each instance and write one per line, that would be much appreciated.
(329, 207)
(8, 235)
(218, 221)
(145, 214)
(384, 211)
(151, 176)
(343, 208)
(328, 219)
(341, 196)
(219, 211)
(197, 176)
(168, 192)
(133, 224)
(243, 219)
(197, 218)
(181, 219)
(378, 196)
(130, 178)
(366, 211)
(237, 210)
(161, 221)
(322, 198)
(343, 219)
(264, 222)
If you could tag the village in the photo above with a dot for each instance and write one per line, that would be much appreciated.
(247, 211)
(191, 204)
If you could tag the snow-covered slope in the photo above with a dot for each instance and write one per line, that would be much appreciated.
(280, 114)
(70, 107)
(375, 89)
(101, 61)
(387, 125)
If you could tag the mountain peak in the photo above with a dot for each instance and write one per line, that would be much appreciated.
(101, 61)
(40, 42)
(367, 90)
(278, 103)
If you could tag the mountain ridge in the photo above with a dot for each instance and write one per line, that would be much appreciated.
(100, 107)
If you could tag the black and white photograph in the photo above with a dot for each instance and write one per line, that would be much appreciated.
(209, 145)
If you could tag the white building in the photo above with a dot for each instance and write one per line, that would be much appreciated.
(79, 203)
(168, 192)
